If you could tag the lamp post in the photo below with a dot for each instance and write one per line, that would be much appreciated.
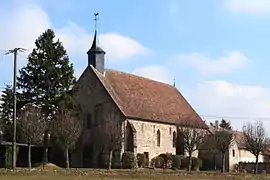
(46, 139)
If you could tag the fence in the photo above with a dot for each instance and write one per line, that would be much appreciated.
(249, 167)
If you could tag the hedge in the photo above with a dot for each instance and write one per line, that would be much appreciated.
(128, 160)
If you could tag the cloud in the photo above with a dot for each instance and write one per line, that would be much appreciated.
(211, 66)
(22, 23)
(117, 46)
(238, 103)
(155, 72)
(257, 7)
(20, 26)
(218, 99)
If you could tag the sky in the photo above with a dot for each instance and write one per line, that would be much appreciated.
(216, 50)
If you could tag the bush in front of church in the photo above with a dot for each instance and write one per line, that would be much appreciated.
(176, 161)
(128, 160)
(157, 162)
(196, 163)
(167, 157)
(142, 160)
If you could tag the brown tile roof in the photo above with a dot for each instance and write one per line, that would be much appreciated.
(146, 99)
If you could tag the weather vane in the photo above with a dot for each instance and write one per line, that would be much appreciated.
(96, 19)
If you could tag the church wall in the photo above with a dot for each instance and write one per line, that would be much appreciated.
(90, 94)
(146, 137)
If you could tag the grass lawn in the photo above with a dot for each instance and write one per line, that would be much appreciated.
(83, 174)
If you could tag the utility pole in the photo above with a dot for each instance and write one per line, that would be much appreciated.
(15, 53)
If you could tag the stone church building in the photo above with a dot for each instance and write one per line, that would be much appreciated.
(149, 111)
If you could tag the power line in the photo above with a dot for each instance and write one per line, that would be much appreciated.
(15, 52)
(235, 117)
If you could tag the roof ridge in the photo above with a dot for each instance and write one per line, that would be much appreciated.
(149, 79)
(108, 88)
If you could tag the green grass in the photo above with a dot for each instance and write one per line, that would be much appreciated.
(86, 174)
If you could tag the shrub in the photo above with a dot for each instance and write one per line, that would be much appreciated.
(128, 160)
(142, 160)
(167, 159)
(244, 171)
(159, 162)
(152, 163)
(196, 163)
(236, 167)
(176, 161)
(184, 163)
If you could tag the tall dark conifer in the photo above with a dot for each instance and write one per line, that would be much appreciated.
(47, 75)
(6, 115)
(225, 124)
(6, 105)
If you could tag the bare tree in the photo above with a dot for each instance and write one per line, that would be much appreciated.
(110, 134)
(32, 126)
(255, 140)
(222, 141)
(66, 128)
(191, 139)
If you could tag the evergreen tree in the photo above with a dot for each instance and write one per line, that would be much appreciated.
(47, 75)
(6, 107)
(225, 125)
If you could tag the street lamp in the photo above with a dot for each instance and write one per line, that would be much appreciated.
(46, 139)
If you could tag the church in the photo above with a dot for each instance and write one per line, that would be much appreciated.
(149, 111)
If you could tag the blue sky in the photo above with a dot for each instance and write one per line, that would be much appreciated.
(217, 51)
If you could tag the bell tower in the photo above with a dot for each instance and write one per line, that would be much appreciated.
(96, 55)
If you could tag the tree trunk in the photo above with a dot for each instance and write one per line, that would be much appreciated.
(256, 165)
(223, 163)
(29, 156)
(215, 166)
(189, 162)
(67, 158)
(110, 160)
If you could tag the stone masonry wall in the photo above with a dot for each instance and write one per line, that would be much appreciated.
(146, 138)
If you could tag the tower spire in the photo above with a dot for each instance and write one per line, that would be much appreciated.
(96, 19)
(94, 44)
(96, 56)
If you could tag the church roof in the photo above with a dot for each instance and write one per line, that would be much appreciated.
(145, 99)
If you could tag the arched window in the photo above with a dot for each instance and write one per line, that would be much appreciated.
(174, 139)
(158, 138)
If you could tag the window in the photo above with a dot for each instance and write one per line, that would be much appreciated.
(174, 139)
(233, 153)
(158, 138)
(170, 131)
(89, 121)
(142, 127)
